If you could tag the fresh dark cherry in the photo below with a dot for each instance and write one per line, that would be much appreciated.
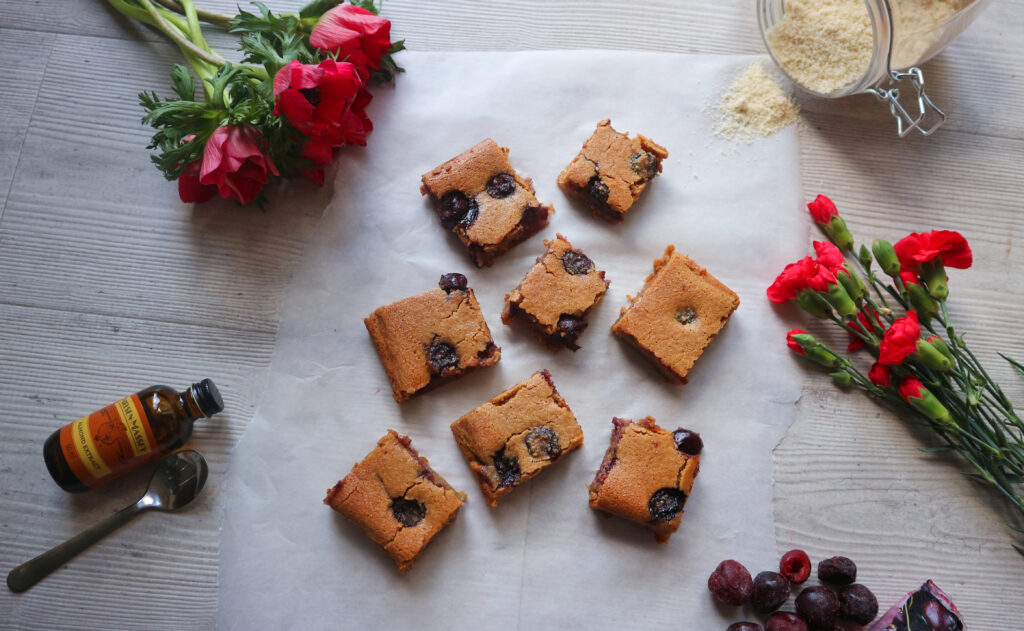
(938, 618)
(452, 282)
(408, 512)
(745, 626)
(857, 604)
(690, 443)
(771, 590)
(837, 570)
(731, 583)
(442, 356)
(542, 442)
(686, 316)
(569, 329)
(576, 262)
(819, 606)
(507, 468)
(501, 185)
(456, 208)
(795, 566)
(597, 189)
(644, 163)
(666, 504)
(785, 621)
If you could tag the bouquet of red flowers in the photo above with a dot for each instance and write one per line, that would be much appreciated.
(298, 95)
(921, 365)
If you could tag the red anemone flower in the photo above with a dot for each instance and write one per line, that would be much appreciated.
(234, 162)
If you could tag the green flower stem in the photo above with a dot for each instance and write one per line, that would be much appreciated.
(175, 33)
(210, 17)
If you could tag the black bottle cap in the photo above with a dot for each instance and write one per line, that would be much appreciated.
(207, 397)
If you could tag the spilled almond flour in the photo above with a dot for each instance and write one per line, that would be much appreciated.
(756, 105)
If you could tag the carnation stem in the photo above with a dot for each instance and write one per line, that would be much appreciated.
(210, 17)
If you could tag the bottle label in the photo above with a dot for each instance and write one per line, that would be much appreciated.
(108, 442)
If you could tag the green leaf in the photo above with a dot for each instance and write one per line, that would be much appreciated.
(369, 5)
(316, 8)
(1017, 366)
(181, 79)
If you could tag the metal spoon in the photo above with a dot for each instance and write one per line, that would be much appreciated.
(175, 483)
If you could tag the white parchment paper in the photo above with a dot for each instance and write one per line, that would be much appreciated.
(542, 558)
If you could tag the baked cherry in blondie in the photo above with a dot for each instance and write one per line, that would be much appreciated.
(426, 339)
(516, 435)
(396, 498)
(481, 198)
(647, 474)
(676, 315)
(611, 171)
(557, 294)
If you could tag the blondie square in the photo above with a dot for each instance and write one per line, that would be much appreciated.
(557, 294)
(396, 497)
(516, 435)
(676, 315)
(429, 338)
(611, 171)
(647, 474)
(481, 198)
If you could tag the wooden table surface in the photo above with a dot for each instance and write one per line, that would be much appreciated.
(109, 284)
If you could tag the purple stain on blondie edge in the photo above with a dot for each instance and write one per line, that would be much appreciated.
(488, 351)
(569, 330)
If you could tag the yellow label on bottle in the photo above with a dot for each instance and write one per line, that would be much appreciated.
(88, 454)
(108, 442)
(132, 418)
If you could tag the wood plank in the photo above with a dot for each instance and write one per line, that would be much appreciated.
(110, 235)
(24, 56)
(57, 366)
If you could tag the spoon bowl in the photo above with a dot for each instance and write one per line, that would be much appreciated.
(177, 480)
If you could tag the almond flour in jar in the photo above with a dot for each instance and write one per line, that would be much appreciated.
(826, 45)
(755, 105)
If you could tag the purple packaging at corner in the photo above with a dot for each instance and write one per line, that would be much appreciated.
(927, 609)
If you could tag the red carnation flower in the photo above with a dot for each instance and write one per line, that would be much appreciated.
(829, 255)
(822, 209)
(353, 34)
(909, 278)
(880, 375)
(911, 388)
(900, 341)
(793, 344)
(234, 162)
(921, 247)
(791, 281)
(317, 100)
(820, 277)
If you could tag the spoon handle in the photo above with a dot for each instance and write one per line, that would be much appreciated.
(28, 574)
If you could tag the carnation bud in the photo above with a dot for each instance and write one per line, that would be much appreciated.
(851, 281)
(919, 297)
(933, 273)
(827, 217)
(840, 300)
(885, 254)
(842, 379)
(921, 399)
(942, 347)
(928, 355)
(865, 256)
(814, 304)
(807, 345)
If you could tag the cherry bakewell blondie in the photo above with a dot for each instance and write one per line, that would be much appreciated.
(647, 474)
(426, 339)
(676, 315)
(516, 435)
(481, 198)
(396, 497)
(611, 171)
(557, 294)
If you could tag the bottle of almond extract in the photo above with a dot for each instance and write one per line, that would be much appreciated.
(125, 435)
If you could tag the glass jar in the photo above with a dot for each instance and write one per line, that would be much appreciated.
(874, 46)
